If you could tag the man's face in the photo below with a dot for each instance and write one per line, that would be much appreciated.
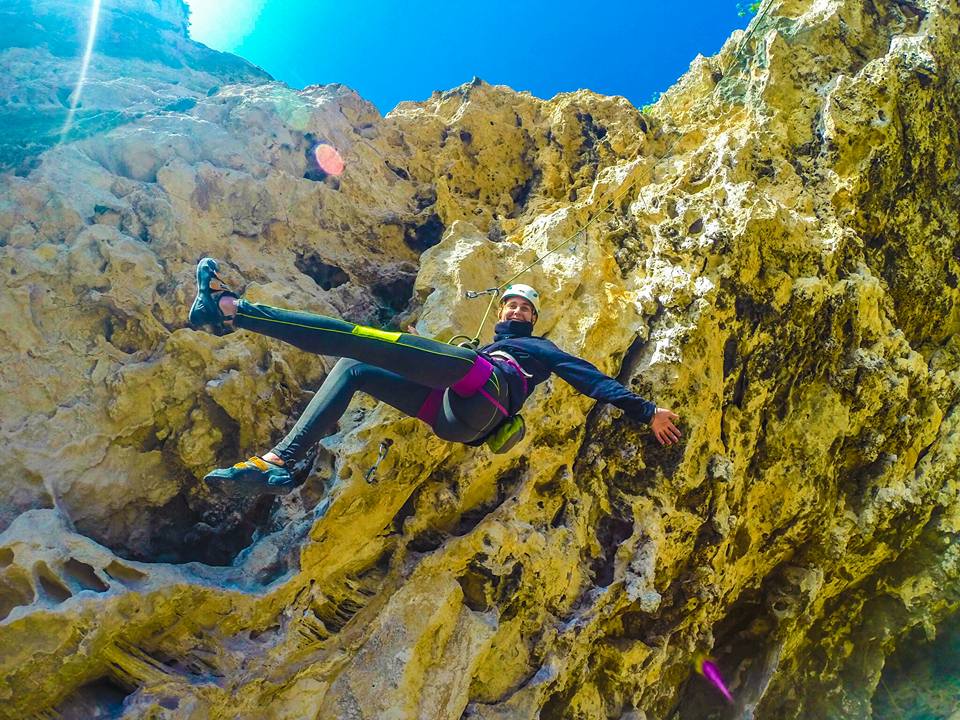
(517, 308)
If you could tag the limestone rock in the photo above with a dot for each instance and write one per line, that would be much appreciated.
(143, 65)
(770, 251)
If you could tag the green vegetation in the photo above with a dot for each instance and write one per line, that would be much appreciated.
(744, 9)
(654, 97)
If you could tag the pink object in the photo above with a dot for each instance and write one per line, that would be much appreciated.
(493, 400)
(328, 159)
(475, 378)
(431, 407)
(710, 671)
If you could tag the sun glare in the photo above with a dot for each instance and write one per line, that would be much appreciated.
(223, 24)
(88, 51)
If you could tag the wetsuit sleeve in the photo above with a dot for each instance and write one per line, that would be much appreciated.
(587, 379)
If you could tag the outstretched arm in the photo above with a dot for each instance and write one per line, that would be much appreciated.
(586, 378)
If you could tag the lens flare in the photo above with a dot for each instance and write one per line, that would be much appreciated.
(328, 159)
(706, 667)
(84, 65)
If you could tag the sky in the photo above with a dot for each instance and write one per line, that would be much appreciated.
(392, 51)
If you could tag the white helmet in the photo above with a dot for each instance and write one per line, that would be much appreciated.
(524, 291)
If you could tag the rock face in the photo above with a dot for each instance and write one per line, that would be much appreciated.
(771, 251)
(143, 66)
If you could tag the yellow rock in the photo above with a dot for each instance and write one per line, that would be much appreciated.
(770, 251)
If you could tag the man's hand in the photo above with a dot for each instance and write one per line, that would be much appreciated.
(663, 428)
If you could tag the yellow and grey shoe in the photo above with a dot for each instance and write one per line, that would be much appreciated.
(255, 475)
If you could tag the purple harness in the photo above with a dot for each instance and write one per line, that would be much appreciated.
(468, 385)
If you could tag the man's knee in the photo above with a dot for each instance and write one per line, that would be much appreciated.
(347, 370)
(355, 370)
(345, 365)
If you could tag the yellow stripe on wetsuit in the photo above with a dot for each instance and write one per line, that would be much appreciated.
(379, 334)
(368, 332)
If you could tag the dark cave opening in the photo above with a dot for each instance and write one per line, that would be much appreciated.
(204, 524)
(611, 533)
(741, 642)
(507, 484)
(210, 528)
(393, 293)
(200, 524)
(323, 274)
(425, 235)
(214, 526)
(101, 699)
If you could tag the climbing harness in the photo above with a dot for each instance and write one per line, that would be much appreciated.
(384, 449)
(512, 428)
(470, 384)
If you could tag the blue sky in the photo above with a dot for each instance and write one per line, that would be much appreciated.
(391, 51)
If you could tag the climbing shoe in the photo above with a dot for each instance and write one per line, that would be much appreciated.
(253, 476)
(206, 306)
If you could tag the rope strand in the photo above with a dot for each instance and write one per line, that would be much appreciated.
(475, 341)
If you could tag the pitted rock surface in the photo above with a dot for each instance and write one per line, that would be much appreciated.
(771, 251)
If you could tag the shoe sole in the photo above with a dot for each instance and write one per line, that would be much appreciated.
(249, 489)
(206, 270)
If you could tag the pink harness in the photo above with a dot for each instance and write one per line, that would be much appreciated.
(470, 384)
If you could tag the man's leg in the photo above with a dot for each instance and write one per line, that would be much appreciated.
(451, 416)
(421, 360)
(333, 396)
(459, 419)
(325, 408)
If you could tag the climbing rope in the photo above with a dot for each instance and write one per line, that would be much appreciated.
(494, 292)
(625, 185)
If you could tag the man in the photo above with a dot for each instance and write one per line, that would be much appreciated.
(464, 395)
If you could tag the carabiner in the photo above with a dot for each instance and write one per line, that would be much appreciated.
(474, 294)
(384, 449)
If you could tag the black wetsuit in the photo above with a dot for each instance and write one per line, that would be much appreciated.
(420, 377)
(462, 394)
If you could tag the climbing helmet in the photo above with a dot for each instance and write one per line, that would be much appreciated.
(524, 291)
